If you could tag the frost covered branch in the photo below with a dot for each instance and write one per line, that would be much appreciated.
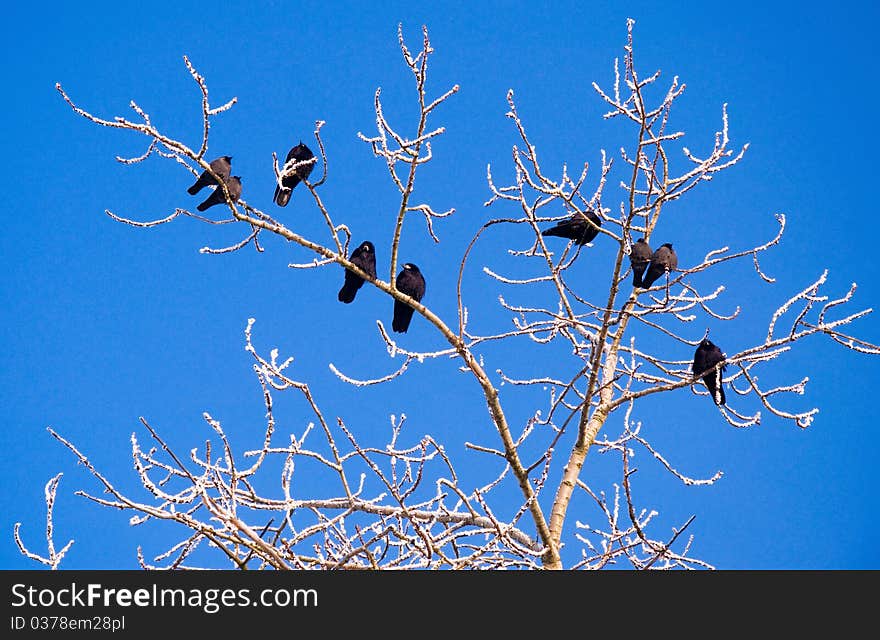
(54, 557)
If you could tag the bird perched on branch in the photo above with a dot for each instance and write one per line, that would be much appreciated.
(365, 258)
(217, 196)
(298, 155)
(222, 166)
(639, 258)
(411, 282)
(580, 228)
(664, 260)
(707, 356)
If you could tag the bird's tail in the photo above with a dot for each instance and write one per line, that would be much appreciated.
(650, 278)
(347, 294)
(403, 313)
(203, 206)
(637, 278)
(193, 190)
(282, 196)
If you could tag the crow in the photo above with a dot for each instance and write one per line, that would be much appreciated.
(576, 228)
(411, 282)
(217, 196)
(298, 154)
(706, 357)
(364, 257)
(221, 166)
(639, 258)
(663, 260)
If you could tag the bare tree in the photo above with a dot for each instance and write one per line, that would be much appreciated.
(403, 505)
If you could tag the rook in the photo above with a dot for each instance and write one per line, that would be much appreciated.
(706, 357)
(577, 228)
(365, 258)
(663, 261)
(218, 197)
(639, 258)
(221, 166)
(411, 282)
(297, 155)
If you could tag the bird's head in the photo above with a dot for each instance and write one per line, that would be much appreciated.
(595, 218)
(409, 266)
(367, 246)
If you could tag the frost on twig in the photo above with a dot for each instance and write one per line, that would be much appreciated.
(403, 155)
(53, 558)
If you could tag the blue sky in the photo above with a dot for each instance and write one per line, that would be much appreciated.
(104, 323)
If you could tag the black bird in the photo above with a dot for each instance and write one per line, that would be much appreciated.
(576, 228)
(411, 282)
(217, 196)
(364, 257)
(663, 260)
(222, 166)
(706, 357)
(297, 154)
(639, 258)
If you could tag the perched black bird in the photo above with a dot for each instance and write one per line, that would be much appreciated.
(576, 228)
(411, 282)
(299, 153)
(663, 260)
(217, 196)
(706, 357)
(639, 258)
(364, 257)
(221, 166)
